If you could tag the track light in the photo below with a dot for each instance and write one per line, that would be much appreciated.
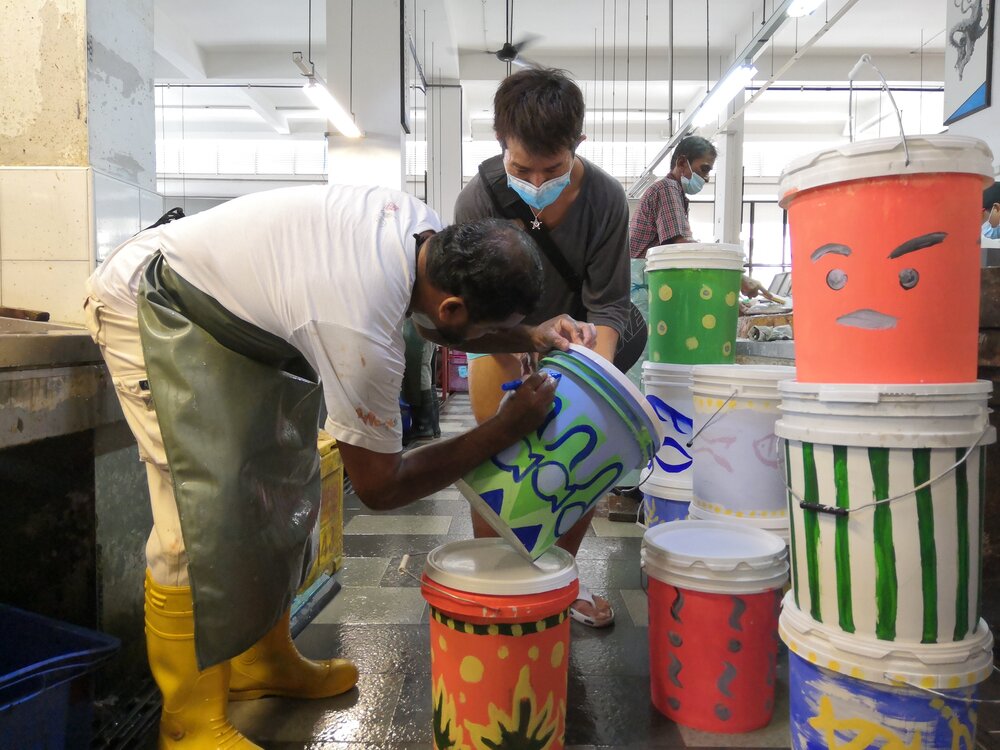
(320, 95)
(800, 8)
(735, 81)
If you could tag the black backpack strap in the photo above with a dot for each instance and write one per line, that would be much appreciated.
(509, 205)
(172, 215)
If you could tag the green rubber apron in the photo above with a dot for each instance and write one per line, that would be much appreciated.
(239, 409)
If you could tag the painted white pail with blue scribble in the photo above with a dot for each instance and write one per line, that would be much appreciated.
(849, 690)
(668, 390)
(886, 490)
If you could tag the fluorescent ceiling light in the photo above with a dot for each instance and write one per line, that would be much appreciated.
(320, 95)
(800, 8)
(734, 82)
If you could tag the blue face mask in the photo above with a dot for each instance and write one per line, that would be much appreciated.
(543, 195)
(692, 184)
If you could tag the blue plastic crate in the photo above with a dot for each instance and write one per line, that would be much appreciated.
(46, 692)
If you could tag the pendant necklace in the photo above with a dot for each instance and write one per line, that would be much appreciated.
(537, 223)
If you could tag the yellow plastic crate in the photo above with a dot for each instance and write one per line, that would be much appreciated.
(328, 536)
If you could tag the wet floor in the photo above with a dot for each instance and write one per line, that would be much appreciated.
(379, 620)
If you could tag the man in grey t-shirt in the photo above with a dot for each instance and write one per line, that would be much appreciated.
(538, 119)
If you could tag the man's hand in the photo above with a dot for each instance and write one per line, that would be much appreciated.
(751, 288)
(561, 331)
(523, 410)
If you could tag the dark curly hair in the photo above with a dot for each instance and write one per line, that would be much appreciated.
(691, 148)
(991, 195)
(540, 107)
(493, 265)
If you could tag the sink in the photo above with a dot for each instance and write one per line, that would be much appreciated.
(30, 344)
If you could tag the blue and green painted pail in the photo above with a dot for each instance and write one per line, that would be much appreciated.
(600, 427)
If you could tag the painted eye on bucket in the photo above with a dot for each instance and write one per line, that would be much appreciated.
(908, 278)
(836, 279)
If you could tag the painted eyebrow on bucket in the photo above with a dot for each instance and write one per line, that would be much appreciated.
(919, 243)
(828, 248)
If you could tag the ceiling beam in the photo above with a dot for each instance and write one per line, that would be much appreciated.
(265, 110)
(175, 45)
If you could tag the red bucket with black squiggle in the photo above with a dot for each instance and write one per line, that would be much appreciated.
(499, 644)
(714, 597)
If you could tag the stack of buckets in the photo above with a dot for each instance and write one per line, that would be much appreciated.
(500, 607)
(714, 585)
(693, 307)
(884, 432)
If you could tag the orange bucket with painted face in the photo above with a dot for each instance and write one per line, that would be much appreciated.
(885, 259)
(499, 644)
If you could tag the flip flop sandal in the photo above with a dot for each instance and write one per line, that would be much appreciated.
(587, 620)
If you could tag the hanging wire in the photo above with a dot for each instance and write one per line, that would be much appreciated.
(707, 43)
(593, 109)
(628, 79)
(309, 41)
(604, 28)
(614, 78)
(645, 88)
(183, 149)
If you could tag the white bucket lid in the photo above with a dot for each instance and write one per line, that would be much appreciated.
(938, 415)
(626, 387)
(661, 373)
(492, 566)
(928, 665)
(715, 557)
(668, 489)
(885, 156)
(746, 381)
(777, 524)
(705, 255)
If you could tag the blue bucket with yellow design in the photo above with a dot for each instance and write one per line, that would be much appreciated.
(853, 691)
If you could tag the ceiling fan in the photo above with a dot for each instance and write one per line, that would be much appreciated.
(510, 52)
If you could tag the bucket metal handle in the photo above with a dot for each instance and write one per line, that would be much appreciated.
(844, 512)
(690, 442)
(978, 701)
(866, 59)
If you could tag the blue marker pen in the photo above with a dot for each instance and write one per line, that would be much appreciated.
(513, 385)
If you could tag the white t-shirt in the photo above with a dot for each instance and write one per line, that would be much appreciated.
(330, 269)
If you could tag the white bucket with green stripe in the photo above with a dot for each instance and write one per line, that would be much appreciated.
(886, 502)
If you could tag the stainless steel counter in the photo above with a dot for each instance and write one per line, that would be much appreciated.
(25, 344)
(52, 382)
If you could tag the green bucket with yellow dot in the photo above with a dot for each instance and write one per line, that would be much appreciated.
(694, 292)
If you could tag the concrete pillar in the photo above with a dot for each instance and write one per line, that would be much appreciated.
(77, 161)
(363, 72)
(444, 148)
(729, 179)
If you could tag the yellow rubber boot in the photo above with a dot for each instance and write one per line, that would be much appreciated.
(273, 666)
(194, 702)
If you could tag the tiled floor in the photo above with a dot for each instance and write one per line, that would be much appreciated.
(380, 621)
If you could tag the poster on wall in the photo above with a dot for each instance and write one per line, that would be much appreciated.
(968, 57)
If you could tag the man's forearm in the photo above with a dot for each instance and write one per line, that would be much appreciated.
(607, 342)
(432, 467)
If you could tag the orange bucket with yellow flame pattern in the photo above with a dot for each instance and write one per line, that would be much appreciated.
(499, 644)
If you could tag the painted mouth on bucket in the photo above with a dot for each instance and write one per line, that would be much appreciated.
(871, 320)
